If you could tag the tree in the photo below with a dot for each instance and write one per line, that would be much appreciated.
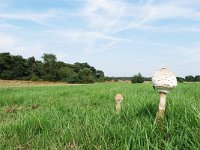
(189, 78)
(39, 69)
(74, 79)
(197, 78)
(137, 78)
(19, 67)
(16, 67)
(49, 58)
(50, 70)
(31, 64)
(5, 64)
(12, 67)
(180, 79)
(4, 59)
(99, 76)
(147, 78)
(85, 76)
(7, 75)
(65, 74)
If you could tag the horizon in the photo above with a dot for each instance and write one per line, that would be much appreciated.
(102, 70)
(119, 37)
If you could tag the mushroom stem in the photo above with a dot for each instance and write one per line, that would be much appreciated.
(161, 112)
(118, 106)
(118, 100)
(162, 101)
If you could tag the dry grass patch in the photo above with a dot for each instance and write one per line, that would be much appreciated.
(19, 83)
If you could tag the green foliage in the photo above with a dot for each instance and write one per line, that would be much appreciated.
(31, 65)
(34, 77)
(7, 74)
(137, 78)
(12, 67)
(5, 62)
(117, 78)
(124, 78)
(197, 78)
(65, 73)
(180, 79)
(99, 76)
(100, 79)
(85, 76)
(74, 79)
(189, 78)
(49, 58)
(84, 117)
(50, 70)
(19, 67)
(16, 67)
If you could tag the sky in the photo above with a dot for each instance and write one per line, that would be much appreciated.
(120, 37)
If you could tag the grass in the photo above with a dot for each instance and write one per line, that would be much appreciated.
(84, 117)
(19, 83)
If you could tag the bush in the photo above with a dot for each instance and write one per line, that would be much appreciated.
(74, 79)
(7, 75)
(137, 78)
(101, 79)
(189, 78)
(34, 77)
(85, 76)
(180, 79)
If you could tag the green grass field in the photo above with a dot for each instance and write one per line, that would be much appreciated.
(84, 117)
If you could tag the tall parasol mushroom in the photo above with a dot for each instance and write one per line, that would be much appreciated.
(163, 80)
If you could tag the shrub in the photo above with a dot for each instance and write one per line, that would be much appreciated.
(34, 77)
(180, 79)
(189, 78)
(74, 79)
(137, 78)
(85, 76)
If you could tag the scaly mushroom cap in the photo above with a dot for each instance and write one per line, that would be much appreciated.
(164, 80)
(119, 97)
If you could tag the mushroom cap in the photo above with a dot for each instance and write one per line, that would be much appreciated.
(164, 80)
(119, 97)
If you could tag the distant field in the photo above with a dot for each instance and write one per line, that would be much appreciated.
(17, 83)
(84, 117)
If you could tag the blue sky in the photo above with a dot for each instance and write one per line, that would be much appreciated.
(120, 37)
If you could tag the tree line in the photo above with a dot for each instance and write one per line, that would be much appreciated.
(189, 78)
(138, 78)
(134, 79)
(15, 67)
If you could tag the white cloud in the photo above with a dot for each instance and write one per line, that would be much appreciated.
(8, 26)
(88, 41)
(142, 17)
(7, 41)
(115, 16)
(42, 18)
(17, 46)
(103, 15)
(181, 56)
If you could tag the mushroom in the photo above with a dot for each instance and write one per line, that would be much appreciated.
(118, 99)
(163, 80)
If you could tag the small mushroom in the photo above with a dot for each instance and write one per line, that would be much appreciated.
(163, 80)
(118, 99)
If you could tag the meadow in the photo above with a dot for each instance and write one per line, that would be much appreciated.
(84, 117)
